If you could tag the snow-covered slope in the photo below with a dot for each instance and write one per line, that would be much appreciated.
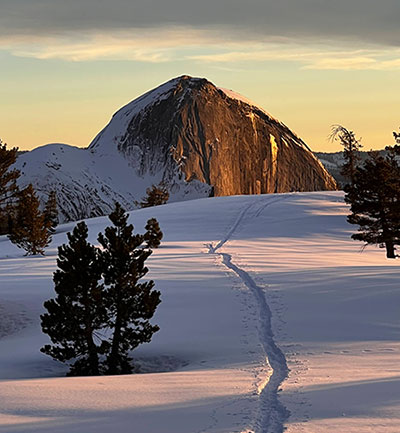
(235, 95)
(230, 270)
(88, 183)
(195, 138)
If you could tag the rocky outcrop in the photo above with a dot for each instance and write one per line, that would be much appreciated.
(218, 138)
(199, 140)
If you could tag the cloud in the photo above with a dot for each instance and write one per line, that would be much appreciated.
(358, 20)
(344, 63)
(315, 34)
(144, 45)
(314, 57)
(172, 44)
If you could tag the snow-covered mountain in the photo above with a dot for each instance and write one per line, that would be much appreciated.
(89, 182)
(333, 162)
(199, 140)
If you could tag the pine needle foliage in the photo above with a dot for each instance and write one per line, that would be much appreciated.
(153, 234)
(8, 178)
(51, 213)
(374, 198)
(351, 146)
(29, 230)
(8, 186)
(77, 316)
(102, 310)
(130, 303)
(156, 195)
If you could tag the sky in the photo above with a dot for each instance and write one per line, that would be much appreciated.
(66, 67)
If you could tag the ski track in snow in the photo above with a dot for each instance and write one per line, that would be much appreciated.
(272, 413)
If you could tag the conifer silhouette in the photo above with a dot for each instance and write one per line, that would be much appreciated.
(153, 234)
(29, 230)
(76, 317)
(374, 199)
(156, 195)
(130, 303)
(8, 186)
(51, 213)
(101, 307)
(351, 146)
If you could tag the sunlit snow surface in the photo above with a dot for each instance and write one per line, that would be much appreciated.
(234, 95)
(335, 316)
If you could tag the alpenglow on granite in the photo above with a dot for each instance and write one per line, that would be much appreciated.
(196, 138)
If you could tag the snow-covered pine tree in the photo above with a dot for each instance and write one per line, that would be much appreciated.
(130, 303)
(78, 313)
(29, 230)
(153, 234)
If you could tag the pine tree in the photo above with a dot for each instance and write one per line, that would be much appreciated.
(51, 213)
(156, 195)
(29, 230)
(77, 315)
(7, 216)
(351, 147)
(153, 234)
(8, 185)
(130, 303)
(374, 197)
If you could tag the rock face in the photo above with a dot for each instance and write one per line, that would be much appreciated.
(198, 139)
(216, 137)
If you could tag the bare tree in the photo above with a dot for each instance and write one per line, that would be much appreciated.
(351, 146)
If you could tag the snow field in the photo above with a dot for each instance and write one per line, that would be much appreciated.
(202, 336)
(333, 310)
(335, 314)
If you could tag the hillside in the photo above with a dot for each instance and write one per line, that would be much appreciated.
(251, 286)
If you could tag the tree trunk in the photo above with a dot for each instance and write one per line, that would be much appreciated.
(114, 354)
(93, 358)
(390, 254)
